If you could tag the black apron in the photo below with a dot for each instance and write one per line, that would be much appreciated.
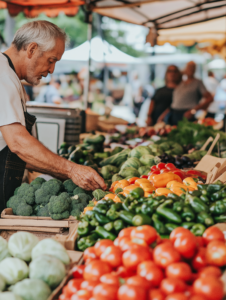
(11, 166)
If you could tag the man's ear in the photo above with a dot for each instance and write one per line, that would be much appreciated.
(31, 49)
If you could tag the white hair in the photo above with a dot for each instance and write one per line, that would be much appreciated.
(43, 33)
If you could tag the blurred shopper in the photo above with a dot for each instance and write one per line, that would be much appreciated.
(189, 96)
(211, 83)
(138, 98)
(162, 99)
(51, 93)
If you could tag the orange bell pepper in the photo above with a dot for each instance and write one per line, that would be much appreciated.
(142, 180)
(173, 182)
(162, 191)
(121, 184)
(179, 184)
(130, 187)
(189, 181)
(117, 199)
(147, 194)
(176, 190)
(109, 196)
(132, 180)
(161, 180)
(112, 186)
(147, 187)
(88, 208)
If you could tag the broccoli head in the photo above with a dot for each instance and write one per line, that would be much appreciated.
(37, 183)
(14, 202)
(50, 188)
(27, 193)
(83, 198)
(43, 211)
(78, 190)
(16, 190)
(69, 186)
(76, 212)
(24, 210)
(59, 206)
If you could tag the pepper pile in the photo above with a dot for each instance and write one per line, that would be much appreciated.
(139, 265)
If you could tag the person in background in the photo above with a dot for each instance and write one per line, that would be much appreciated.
(137, 91)
(211, 85)
(162, 99)
(51, 93)
(189, 96)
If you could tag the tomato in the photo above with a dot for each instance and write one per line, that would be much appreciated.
(176, 296)
(199, 260)
(150, 271)
(186, 245)
(116, 241)
(112, 255)
(139, 242)
(213, 233)
(156, 294)
(170, 166)
(132, 180)
(179, 270)
(81, 295)
(157, 172)
(164, 171)
(164, 255)
(111, 278)
(138, 281)
(211, 288)
(124, 272)
(77, 271)
(200, 241)
(134, 256)
(172, 285)
(161, 166)
(210, 271)
(197, 297)
(89, 285)
(101, 246)
(179, 231)
(95, 269)
(105, 291)
(145, 232)
(125, 232)
(144, 176)
(72, 287)
(63, 297)
(89, 254)
(154, 168)
(131, 292)
(179, 173)
(216, 253)
(125, 243)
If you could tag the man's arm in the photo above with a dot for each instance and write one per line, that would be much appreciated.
(38, 156)
(203, 104)
(150, 111)
(163, 115)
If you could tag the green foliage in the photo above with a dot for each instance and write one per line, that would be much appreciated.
(99, 194)
(108, 171)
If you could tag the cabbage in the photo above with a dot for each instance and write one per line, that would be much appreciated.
(47, 268)
(13, 270)
(140, 151)
(32, 289)
(51, 247)
(131, 162)
(2, 283)
(148, 160)
(21, 244)
(4, 252)
(9, 296)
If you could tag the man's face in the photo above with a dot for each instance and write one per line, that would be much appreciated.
(190, 69)
(40, 64)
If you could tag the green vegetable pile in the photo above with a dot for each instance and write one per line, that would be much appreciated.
(29, 269)
(195, 211)
(49, 199)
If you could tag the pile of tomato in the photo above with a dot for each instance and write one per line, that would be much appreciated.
(139, 265)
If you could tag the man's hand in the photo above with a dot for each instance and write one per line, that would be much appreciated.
(188, 115)
(87, 178)
(149, 121)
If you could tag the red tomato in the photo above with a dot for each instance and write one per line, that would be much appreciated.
(172, 285)
(179, 173)
(81, 295)
(179, 270)
(197, 297)
(213, 233)
(164, 171)
(63, 297)
(176, 296)
(134, 256)
(125, 232)
(144, 176)
(95, 269)
(154, 168)
(130, 292)
(211, 288)
(164, 255)
(186, 245)
(111, 278)
(125, 243)
(179, 231)
(210, 271)
(116, 242)
(89, 285)
(124, 272)
(139, 242)
(138, 281)
(72, 287)
(151, 272)
(145, 232)
(170, 166)
(112, 255)
(200, 241)
(216, 253)
(157, 172)
(161, 166)
(89, 254)
(77, 271)
(105, 291)
(156, 294)
(199, 260)
(101, 245)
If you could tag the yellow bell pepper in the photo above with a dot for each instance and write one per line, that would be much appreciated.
(161, 180)
(88, 208)
(141, 181)
(109, 196)
(189, 181)
(147, 187)
(121, 184)
(117, 199)
(162, 191)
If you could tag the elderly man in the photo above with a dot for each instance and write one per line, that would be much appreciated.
(35, 49)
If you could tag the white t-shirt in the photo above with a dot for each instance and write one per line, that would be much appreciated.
(11, 94)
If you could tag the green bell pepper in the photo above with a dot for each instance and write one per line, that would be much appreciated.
(159, 225)
(104, 233)
(116, 206)
(126, 216)
(109, 226)
(168, 213)
(83, 228)
(121, 197)
(188, 225)
(204, 218)
(173, 197)
(101, 208)
(205, 199)
(118, 190)
(86, 242)
(188, 214)
(170, 227)
(220, 219)
(196, 204)
(138, 209)
(112, 214)
(141, 219)
(101, 218)
(158, 198)
(198, 229)
(178, 206)
(90, 214)
(183, 196)
(119, 225)
(213, 188)
(137, 193)
(202, 187)
(218, 208)
(147, 209)
(94, 222)
(195, 193)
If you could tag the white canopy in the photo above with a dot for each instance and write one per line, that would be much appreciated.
(217, 64)
(101, 51)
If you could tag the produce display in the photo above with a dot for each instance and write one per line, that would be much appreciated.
(29, 269)
(141, 265)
